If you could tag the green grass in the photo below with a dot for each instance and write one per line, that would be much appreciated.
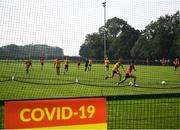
(46, 84)
(42, 84)
(144, 114)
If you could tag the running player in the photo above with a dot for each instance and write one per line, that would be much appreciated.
(106, 64)
(115, 70)
(66, 65)
(129, 74)
(78, 63)
(90, 64)
(28, 65)
(57, 65)
(42, 62)
(176, 63)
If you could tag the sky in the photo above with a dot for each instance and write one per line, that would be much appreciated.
(65, 23)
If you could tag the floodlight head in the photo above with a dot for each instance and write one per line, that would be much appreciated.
(104, 4)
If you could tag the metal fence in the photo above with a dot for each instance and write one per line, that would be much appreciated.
(152, 111)
(155, 111)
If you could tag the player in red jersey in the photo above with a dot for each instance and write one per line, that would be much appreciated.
(42, 62)
(78, 63)
(28, 65)
(176, 63)
(129, 74)
(163, 61)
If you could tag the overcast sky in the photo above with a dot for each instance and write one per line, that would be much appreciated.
(65, 23)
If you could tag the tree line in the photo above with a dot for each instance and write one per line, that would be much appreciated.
(34, 51)
(159, 39)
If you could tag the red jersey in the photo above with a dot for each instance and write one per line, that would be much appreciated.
(176, 62)
(42, 61)
(129, 69)
(78, 62)
(28, 63)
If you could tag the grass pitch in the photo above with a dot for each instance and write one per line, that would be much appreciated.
(47, 84)
(78, 83)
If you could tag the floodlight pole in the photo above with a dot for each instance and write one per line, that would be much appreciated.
(104, 5)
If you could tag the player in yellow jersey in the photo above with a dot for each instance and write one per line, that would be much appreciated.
(57, 64)
(106, 64)
(66, 65)
(115, 70)
(129, 74)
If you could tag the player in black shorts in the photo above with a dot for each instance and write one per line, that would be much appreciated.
(86, 64)
(129, 74)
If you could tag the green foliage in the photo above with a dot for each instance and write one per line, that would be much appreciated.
(120, 38)
(34, 51)
(159, 39)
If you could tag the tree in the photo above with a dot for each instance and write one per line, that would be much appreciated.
(84, 50)
(120, 39)
(159, 39)
(116, 26)
(34, 51)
